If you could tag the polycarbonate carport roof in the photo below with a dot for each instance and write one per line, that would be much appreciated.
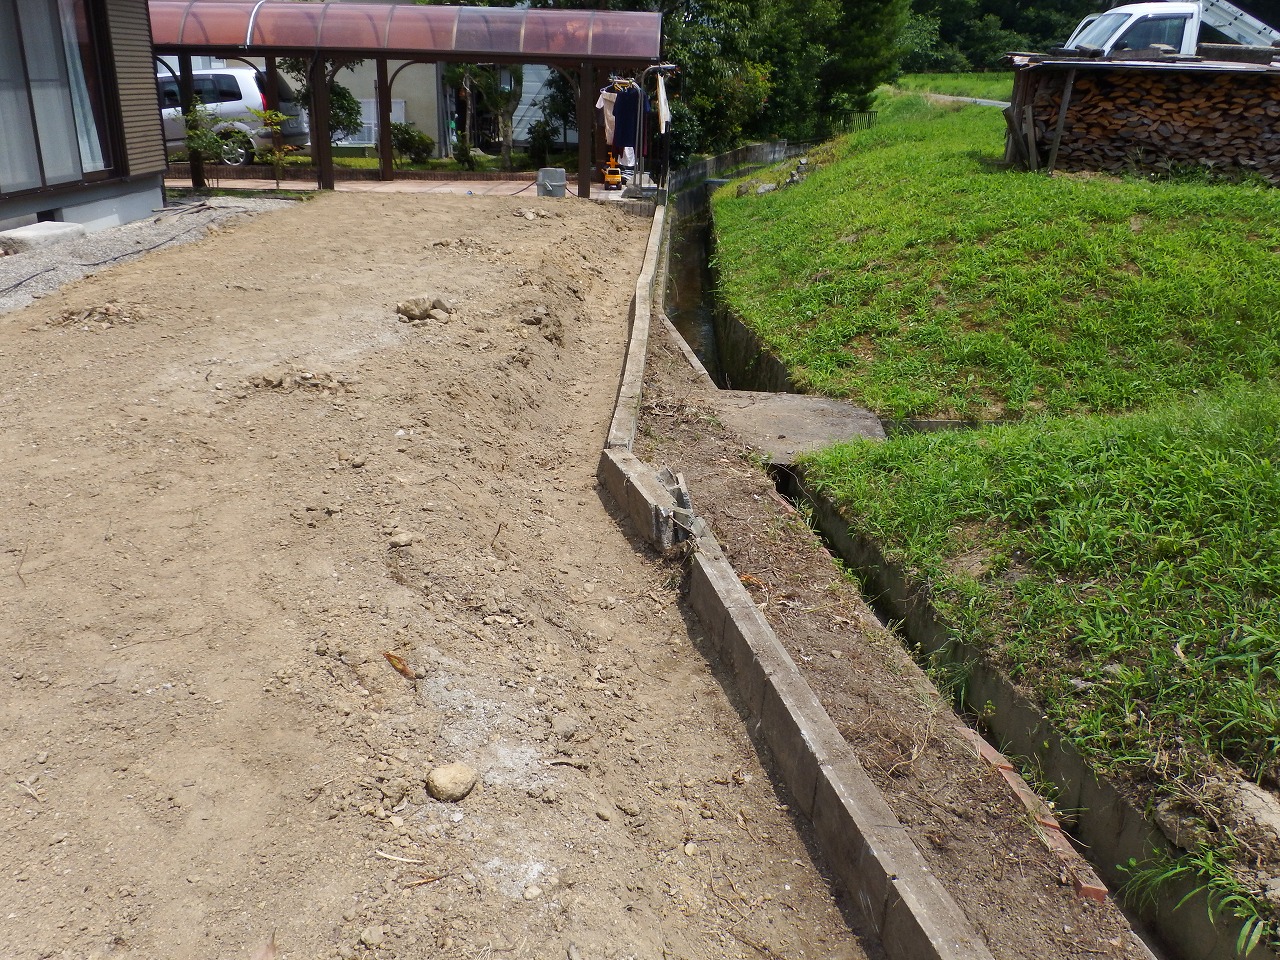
(405, 30)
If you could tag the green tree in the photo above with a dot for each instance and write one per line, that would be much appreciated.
(790, 37)
(345, 117)
(924, 51)
(273, 121)
(500, 89)
(981, 32)
(722, 79)
(864, 53)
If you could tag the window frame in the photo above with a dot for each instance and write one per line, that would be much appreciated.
(99, 75)
(1146, 21)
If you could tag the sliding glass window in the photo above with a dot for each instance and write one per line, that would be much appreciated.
(53, 106)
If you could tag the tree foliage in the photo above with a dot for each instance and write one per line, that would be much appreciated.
(799, 68)
(345, 117)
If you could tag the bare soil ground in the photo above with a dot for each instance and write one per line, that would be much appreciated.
(233, 480)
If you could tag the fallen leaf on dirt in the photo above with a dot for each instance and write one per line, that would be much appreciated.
(402, 668)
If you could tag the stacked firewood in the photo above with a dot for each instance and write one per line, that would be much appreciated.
(1122, 118)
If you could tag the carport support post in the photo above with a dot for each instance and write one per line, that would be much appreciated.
(385, 158)
(586, 127)
(187, 93)
(272, 95)
(321, 145)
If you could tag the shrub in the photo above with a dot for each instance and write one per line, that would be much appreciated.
(411, 144)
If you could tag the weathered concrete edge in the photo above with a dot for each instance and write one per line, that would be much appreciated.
(866, 847)
(690, 357)
(870, 853)
(626, 411)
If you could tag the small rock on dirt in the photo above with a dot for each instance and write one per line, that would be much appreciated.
(373, 936)
(451, 782)
(564, 726)
(416, 309)
(402, 539)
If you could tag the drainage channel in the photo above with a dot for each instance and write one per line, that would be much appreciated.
(690, 290)
(1104, 827)
(1104, 824)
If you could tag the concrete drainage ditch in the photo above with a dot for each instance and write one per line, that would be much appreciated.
(1104, 822)
(870, 853)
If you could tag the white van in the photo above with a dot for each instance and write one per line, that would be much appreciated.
(229, 93)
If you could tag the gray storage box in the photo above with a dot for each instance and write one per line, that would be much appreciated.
(551, 182)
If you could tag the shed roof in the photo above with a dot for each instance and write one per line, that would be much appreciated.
(405, 30)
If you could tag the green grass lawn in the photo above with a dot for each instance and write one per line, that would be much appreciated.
(981, 86)
(912, 274)
(1125, 569)
(1114, 546)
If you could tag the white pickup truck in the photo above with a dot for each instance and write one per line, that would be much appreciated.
(1180, 25)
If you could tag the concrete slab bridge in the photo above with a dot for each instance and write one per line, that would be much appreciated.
(580, 43)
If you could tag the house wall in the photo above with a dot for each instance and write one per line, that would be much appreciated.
(418, 85)
(132, 184)
(129, 25)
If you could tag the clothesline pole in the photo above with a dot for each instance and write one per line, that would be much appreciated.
(637, 181)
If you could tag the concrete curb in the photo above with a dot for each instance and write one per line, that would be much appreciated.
(866, 847)
(626, 411)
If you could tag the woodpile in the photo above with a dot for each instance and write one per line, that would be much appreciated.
(1125, 118)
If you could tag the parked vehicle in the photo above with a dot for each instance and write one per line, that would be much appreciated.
(229, 94)
(1180, 25)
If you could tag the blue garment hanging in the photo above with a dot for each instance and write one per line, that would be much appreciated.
(626, 117)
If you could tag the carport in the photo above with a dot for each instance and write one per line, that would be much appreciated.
(584, 44)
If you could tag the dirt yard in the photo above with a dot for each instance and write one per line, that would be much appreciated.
(232, 482)
(271, 555)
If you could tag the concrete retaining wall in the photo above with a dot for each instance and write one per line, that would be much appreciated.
(865, 846)
(1101, 817)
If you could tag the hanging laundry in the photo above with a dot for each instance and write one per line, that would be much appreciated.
(605, 104)
(627, 113)
(664, 108)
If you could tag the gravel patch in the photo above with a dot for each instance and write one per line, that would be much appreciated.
(25, 277)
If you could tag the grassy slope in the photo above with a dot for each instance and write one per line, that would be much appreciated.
(982, 86)
(1123, 567)
(1128, 565)
(911, 274)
